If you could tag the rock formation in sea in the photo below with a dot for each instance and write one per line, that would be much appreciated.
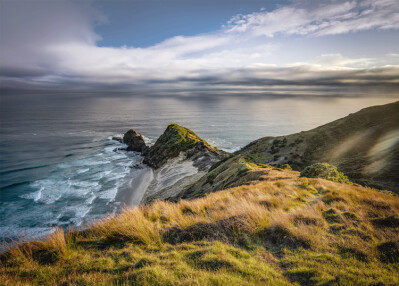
(177, 139)
(134, 141)
(178, 158)
(117, 138)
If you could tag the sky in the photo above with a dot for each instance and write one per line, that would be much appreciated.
(209, 47)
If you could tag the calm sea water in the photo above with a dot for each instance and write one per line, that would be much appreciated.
(58, 166)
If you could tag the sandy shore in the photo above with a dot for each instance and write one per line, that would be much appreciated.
(171, 179)
(140, 185)
(147, 185)
(133, 195)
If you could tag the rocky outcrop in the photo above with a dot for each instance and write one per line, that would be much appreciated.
(177, 139)
(178, 159)
(118, 138)
(134, 141)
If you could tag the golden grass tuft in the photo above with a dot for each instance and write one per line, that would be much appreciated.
(132, 225)
(57, 240)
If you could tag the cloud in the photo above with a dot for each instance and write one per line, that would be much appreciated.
(53, 45)
(30, 29)
(322, 18)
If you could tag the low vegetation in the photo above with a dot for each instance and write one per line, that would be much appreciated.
(177, 138)
(364, 145)
(284, 230)
(174, 140)
(231, 172)
(325, 171)
(286, 166)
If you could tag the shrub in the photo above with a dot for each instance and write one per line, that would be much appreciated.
(325, 171)
(286, 167)
(389, 251)
(211, 178)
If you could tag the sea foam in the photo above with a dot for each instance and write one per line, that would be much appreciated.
(83, 189)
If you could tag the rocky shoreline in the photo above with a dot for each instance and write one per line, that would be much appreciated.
(178, 159)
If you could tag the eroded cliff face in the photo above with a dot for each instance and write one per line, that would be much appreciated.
(178, 158)
(177, 139)
(172, 178)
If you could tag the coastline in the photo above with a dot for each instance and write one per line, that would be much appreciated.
(148, 184)
(134, 193)
(168, 166)
(171, 178)
(139, 186)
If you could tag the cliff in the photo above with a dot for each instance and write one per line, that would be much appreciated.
(178, 159)
(363, 145)
(177, 139)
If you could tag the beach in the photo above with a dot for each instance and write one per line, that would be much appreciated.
(133, 194)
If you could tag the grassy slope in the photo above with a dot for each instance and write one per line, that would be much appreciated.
(356, 144)
(284, 230)
(363, 145)
(234, 171)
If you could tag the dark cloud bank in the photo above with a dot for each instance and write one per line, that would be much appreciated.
(51, 46)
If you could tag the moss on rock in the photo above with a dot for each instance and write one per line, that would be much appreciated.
(174, 140)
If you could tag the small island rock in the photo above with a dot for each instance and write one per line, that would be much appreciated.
(134, 141)
(118, 138)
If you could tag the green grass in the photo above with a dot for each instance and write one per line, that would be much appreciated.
(325, 171)
(354, 144)
(292, 231)
(286, 166)
(177, 138)
(174, 140)
(233, 171)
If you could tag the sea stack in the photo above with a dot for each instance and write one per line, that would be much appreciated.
(134, 141)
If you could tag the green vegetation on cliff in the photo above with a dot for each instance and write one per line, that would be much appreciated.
(231, 172)
(177, 138)
(174, 140)
(363, 145)
(325, 171)
(286, 230)
(370, 159)
(286, 166)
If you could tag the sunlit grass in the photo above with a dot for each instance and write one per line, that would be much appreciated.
(282, 232)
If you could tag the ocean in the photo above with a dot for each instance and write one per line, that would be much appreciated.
(59, 166)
